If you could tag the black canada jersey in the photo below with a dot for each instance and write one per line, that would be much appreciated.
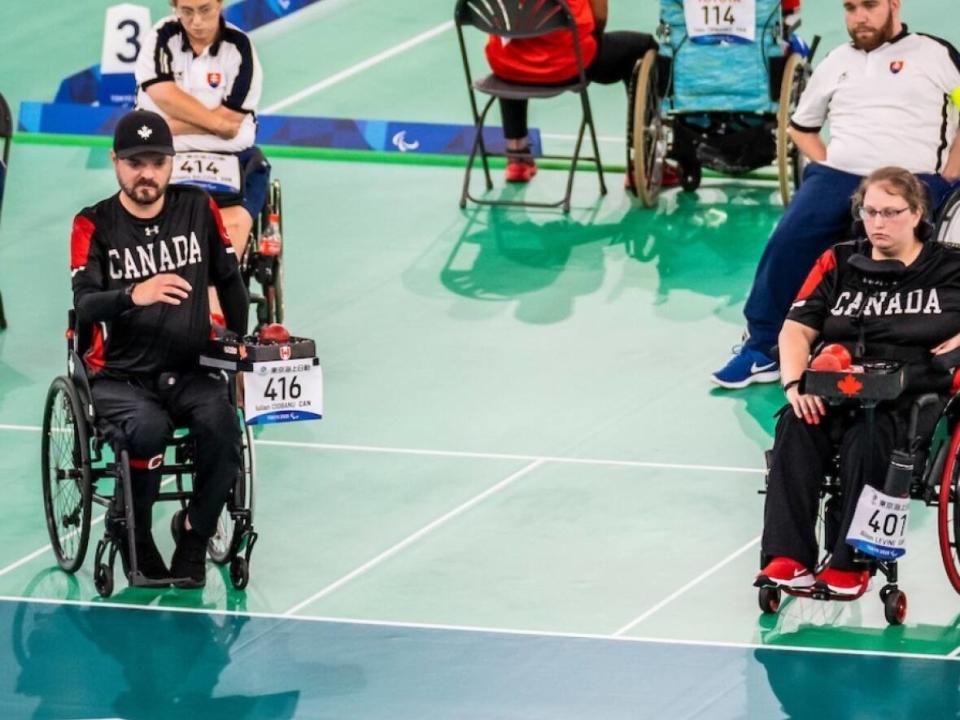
(921, 309)
(112, 250)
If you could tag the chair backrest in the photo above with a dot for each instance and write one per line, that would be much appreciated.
(6, 133)
(515, 18)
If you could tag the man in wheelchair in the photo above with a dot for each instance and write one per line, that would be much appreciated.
(890, 296)
(202, 74)
(142, 261)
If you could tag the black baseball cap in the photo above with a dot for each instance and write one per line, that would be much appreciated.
(142, 131)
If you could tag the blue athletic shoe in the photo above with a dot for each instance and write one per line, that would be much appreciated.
(745, 367)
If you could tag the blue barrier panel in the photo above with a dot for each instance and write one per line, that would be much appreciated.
(335, 133)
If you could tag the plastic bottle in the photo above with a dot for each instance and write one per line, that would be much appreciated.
(899, 474)
(270, 241)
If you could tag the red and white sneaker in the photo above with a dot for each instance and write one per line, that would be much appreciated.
(520, 171)
(784, 572)
(848, 583)
(671, 177)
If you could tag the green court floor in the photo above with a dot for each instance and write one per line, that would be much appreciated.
(524, 501)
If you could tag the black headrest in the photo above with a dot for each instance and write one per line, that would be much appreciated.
(877, 269)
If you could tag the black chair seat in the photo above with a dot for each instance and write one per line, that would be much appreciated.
(498, 87)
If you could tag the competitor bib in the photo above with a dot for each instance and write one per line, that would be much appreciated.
(879, 526)
(283, 391)
(714, 21)
(214, 172)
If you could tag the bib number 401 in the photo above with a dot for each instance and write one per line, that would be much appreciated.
(888, 524)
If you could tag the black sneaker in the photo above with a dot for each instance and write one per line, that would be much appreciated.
(188, 565)
(149, 561)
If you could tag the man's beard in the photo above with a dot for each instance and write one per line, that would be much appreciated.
(876, 37)
(145, 192)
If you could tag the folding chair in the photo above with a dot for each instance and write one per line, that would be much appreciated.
(6, 133)
(514, 19)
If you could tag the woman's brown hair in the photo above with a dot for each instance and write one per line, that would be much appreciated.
(896, 181)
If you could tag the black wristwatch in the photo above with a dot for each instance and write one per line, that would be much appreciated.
(128, 293)
(788, 385)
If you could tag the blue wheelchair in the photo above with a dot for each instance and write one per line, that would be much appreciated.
(718, 94)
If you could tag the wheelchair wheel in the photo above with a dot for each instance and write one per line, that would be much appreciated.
(690, 176)
(895, 606)
(67, 480)
(239, 573)
(790, 161)
(646, 144)
(948, 222)
(948, 511)
(769, 599)
(103, 580)
(228, 537)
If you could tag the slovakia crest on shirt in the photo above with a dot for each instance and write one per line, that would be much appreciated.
(214, 79)
(896, 66)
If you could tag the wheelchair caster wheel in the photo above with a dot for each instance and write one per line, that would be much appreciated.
(769, 598)
(103, 579)
(239, 573)
(895, 607)
(690, 177)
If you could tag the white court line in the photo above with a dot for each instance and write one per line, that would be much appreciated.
(476, 455)
(696, 581)
(511, 632)
(359, 67)
(505, 456)
(954, 654)
(48, 547)
(409, 540)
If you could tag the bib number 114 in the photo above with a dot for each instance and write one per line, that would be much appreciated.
(726, 18)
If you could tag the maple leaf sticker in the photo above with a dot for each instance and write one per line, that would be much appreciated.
(850, 386)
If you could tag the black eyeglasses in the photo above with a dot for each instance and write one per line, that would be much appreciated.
(869, 213)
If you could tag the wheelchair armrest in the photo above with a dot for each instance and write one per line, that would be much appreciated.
(78, 373)
(916, 409)
(947, 361)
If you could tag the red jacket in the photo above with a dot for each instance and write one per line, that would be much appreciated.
(546, 59)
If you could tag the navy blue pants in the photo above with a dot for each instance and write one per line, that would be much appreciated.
(256, 183)
(818, 217)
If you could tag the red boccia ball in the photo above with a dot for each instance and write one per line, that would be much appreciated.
(274, 332)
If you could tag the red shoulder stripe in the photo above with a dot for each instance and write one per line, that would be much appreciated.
(220, 226)
(824, 264)
(83, 228)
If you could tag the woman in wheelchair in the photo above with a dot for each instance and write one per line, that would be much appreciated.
(888, 296)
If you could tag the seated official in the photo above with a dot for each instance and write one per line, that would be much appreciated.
(608, 58)
(143, 261)
(915, 319)
(203, 75)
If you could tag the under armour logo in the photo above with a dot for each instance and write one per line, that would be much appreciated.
(151, 230)
(144, 132)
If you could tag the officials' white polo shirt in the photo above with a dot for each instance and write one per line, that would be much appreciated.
(890, 106)
(226, 73)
